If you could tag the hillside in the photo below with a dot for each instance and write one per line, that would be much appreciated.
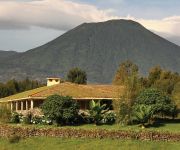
(98, 48)
(6, 54)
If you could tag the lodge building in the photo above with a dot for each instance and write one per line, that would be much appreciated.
(83, 94)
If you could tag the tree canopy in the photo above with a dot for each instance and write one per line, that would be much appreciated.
(76, 75)
(160, 103)
(62, 110)
(13, 86)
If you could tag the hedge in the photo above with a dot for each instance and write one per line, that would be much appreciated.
(7, 131)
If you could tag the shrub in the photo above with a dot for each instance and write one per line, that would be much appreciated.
(97, 111)
(26, 119)
(5, 114)
(85, 117)
(15, 118)
(36, 120)
(124, 113)
(62, 110)
(46, 121)
(142, 114)
(109, 118)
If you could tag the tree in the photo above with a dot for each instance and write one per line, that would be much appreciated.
(125, 70)
(12, 86)
(160, 103)
(127, 76)
(154, 75)
(62, 110)
(77, 76)
(161, 79)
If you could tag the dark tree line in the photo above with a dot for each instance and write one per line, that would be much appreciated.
(13, 86)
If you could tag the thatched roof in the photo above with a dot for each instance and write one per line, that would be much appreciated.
(68, 89)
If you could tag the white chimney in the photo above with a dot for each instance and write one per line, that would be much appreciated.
(53, 81)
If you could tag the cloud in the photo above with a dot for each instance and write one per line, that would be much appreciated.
(57, 14)
(169, 25)
(64, 15)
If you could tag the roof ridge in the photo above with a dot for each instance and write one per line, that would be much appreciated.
(43, 90)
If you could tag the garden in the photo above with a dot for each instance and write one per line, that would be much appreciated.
(147, 111)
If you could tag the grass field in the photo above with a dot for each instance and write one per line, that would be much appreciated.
(163, 126)
(45, 143)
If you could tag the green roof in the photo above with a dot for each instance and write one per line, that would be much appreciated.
(69, 89)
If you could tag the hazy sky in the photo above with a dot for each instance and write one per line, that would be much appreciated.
(25, 24)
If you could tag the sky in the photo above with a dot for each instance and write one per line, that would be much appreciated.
(25, 24)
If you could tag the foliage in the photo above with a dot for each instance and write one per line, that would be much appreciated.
(109, 118)
(5, 114)
(62, 110)
(12, 86)
(142, 113)
(161, 79)
(36, 120)
(127, 76)
(26, 119)
(76, 75)
(125, 70)
(124, 113)
(15, 118)
(97, 111)
(159, 102)
(176, 94)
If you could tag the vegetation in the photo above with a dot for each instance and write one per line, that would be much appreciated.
(62, 110)
(154, 100)
(5, 114)
(159, 103)
(77, 76)
(13, 87)
(45, 143)
(161, 79)
(127, 75)
(142, 114)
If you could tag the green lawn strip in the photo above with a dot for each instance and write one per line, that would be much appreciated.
(168, 127)
(49, 143)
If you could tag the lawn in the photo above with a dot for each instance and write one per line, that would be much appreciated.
(163, 126)
(46, 143)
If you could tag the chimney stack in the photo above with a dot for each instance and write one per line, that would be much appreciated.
(53, 81)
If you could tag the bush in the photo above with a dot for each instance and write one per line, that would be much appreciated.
(27, 118)
(36, 120)
(97, 111)
(46, 121)
(109, 118)
(62, 110)
(124, 113)
(15, 118)
(5, 114)
(142, 114)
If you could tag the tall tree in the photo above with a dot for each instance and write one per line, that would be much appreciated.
(76, 75)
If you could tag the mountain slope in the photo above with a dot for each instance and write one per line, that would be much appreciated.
(98, 48)
(6, 54)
